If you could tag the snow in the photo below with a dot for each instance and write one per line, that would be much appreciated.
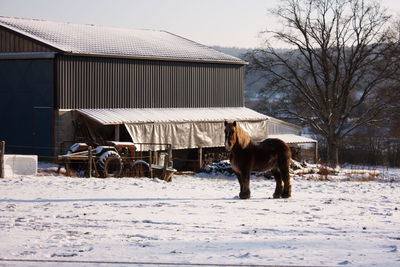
(199, 219)
(118, 42)
(168, 115)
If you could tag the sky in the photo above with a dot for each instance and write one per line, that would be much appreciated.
(230, 23)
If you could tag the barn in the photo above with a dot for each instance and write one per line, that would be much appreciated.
(63, 82)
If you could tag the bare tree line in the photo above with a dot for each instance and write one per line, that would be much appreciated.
(339, 76)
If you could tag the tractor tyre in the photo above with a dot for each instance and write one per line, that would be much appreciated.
(109, 164)
(140, 168)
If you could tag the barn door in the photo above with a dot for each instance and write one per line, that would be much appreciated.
(42, 132)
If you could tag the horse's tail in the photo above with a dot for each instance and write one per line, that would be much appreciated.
(284, 164)
(284, 160)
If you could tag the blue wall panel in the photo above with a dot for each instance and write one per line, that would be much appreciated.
(26, 106)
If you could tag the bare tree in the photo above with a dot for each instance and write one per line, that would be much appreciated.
(340, 53)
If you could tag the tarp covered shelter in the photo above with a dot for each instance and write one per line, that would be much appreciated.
(293, 139)
(183, 128)
(307, 148)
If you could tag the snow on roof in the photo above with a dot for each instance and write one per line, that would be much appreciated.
(162, 115)
(292, 138)
(110, 41)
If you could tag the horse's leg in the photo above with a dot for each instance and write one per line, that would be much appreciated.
(287, 187)
(239, 176)
(245, 186)
(278, 180)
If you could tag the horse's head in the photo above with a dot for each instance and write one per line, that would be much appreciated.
(230, 135)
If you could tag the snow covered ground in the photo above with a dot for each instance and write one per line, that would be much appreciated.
(199, 219)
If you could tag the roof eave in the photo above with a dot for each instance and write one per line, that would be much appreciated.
(27, 55)
(120, 121)
(69, 53)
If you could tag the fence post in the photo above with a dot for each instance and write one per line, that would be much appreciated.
(156, 160)
(170, 156)
(150, 163)
(200, 158)
(90, 161)
(164, 170)
(2, 151)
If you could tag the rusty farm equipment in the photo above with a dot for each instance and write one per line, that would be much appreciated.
(117, 159)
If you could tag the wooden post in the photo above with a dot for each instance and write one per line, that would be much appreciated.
(67, 167)
(170, 156)
(97, 175)
(90, 161)
(316, 153)
(164, 171)
(150, 163)
(200, 158)
(156, 159)
(2, 151)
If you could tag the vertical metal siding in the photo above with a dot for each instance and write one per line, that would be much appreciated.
(13, 43)
(87, 82)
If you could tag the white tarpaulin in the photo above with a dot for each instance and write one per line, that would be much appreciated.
(191, 134)
(181, 127)
(168, 115)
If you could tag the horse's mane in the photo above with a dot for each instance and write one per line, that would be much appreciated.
(242, 137)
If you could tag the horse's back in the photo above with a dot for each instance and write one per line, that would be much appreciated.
(273, 146)
(271, 153)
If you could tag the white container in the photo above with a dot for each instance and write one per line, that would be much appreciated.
(20, 165)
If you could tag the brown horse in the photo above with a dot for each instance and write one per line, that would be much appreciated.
(246, 156)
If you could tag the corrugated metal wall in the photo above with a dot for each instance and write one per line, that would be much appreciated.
(276, 126)
(12, 43)
(88, 82)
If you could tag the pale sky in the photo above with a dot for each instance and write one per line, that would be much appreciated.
(232, 23)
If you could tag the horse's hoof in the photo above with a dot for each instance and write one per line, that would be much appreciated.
(244, 195)
(286, 195)
(276, 195)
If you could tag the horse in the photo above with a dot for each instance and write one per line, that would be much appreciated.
(247, 156)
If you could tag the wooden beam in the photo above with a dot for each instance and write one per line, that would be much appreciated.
(200, 158)
(90, 161)
(151, 164)
(164, 170)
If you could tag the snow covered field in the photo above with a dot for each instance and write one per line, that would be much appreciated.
(199, 219)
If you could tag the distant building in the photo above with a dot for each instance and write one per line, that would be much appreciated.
(63, 82)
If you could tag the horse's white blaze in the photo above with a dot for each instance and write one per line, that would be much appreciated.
(227, 144)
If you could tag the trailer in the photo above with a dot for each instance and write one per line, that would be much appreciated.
(117, 159)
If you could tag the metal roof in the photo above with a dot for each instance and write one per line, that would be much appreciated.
(116, 42)
(292, 138)
(165, 115)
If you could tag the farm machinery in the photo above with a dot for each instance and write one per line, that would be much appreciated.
(116, 159)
